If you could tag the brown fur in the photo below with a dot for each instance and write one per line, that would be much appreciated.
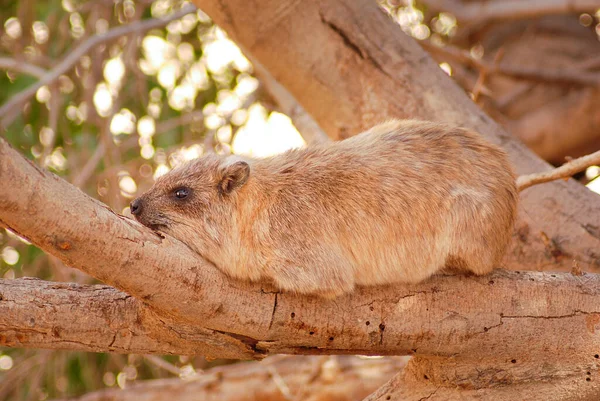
(397, 203)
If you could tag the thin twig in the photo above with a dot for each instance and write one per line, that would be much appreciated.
(13, 378)
(71, 59)
(175, 122)
(161, 363)
(589, 63)
(480, 83)
(7, 63)
(565, 171)
(280, 383)
(90, 166)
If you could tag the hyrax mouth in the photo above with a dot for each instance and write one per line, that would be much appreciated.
(153, 225)
(156, 226)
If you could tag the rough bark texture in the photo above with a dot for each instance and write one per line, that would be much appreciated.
(350, 66)
(98, 318)
(429, 379)
(334, 378)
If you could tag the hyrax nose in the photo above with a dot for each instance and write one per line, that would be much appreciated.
(136, 207)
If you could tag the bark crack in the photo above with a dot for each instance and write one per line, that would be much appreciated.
(430, 395)
(345, 38)
(502, 317)
(273, 312)
(592, 229)
(113, 340)
(399, 298)
(352, 45)
(248, 341)
(575, 313)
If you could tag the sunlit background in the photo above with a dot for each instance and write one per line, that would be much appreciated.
(128, 111)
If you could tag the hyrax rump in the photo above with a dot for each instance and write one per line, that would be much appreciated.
(394, 204)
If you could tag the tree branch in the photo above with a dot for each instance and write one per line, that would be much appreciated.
(482, 11)
(578, 77)
(308, 127)
(96, 318)
(565, 171)
(455, 325)
(336, 378)
(8, 63)
(469, 379)
(243, 320)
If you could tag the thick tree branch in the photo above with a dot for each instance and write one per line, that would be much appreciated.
(116, 250)
(335, 378)
(243, 320)
(438, 379)
(98, 318)
(546, 323)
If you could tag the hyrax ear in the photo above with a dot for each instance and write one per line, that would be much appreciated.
(233, 176)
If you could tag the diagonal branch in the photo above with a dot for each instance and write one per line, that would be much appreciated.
(309, 129)
(578, 77)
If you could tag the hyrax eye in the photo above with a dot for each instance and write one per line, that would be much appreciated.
(181, 193)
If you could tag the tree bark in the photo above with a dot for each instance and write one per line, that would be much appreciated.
(334, 378)
(449, 380)
(350, 66)
(94, 318)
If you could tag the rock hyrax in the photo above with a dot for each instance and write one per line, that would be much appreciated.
(394, 204)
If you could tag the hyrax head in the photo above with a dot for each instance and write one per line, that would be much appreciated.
(191, 202)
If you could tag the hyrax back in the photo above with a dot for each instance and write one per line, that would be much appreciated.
(394, 204)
